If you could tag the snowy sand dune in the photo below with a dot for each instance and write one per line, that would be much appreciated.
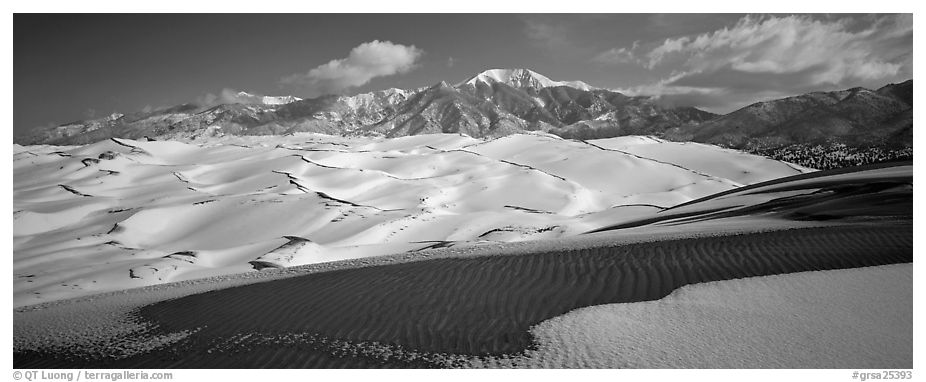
(113, 214)
(455, 278)
(729, 164)
(854, 318)
(464, 307)
(880, 191)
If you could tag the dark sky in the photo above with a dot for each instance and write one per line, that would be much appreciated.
(78, 66)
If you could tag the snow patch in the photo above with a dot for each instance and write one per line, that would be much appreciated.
(854, 318)
(522, 78)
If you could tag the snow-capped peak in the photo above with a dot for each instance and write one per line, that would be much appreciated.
(521, 78)
(389, 96)
(267, 100)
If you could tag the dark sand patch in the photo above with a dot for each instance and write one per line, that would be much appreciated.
(464, 306)
(819, 179)
(825, 199)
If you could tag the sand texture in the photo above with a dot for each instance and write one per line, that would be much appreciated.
(476, 306)
(845, 319)
(445, 251)
(121, 214)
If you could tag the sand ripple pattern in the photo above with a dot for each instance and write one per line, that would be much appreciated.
(423, 314)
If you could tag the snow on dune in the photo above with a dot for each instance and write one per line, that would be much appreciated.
(120, 213)
(853, 318)
(729, 164)
(612, 176)
(875, 191)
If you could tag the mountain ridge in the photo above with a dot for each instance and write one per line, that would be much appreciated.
(521, 78)
(495, 102)
(857, 116)
(499, 102)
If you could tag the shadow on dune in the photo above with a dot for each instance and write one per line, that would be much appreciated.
(826, 198)
(415, 314)
(471, 306)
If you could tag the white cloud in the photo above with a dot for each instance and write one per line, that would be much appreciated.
(365, 62)
(225, 96)
(765, 56)
(615, 55)
(791, 44)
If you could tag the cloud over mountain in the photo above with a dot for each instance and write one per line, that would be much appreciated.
(365, 62)
(225, 96)
(775, 56)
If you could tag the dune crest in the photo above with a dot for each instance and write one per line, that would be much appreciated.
(107, 216)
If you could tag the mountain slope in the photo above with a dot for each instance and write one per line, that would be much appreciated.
(850, 123)
(856, 117)
(522, 79)
(493, 103)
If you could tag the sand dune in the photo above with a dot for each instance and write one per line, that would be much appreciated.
(846, 319)
(110, 215)
(724, 163)
(464, 306)
(375, 277)
(880, 191)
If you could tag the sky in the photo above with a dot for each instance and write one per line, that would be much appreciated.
(69, 67)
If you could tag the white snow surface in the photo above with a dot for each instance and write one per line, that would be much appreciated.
(269, 100)
(364, 100)
(727, 163)
(119, 214)
(521, 78)
(859, 318)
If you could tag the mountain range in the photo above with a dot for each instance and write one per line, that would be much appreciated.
(500, 102)
(856, 117)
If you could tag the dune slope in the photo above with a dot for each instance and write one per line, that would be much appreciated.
(469, 306)
(120, 214)
(855, 318)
